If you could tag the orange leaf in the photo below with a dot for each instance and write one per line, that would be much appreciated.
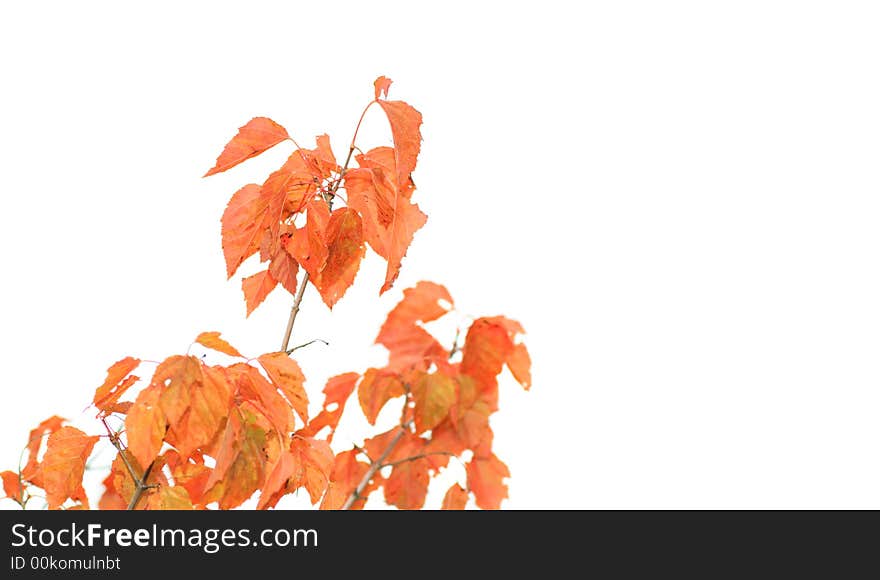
(407, 486)
(314, 461)
(347, 474)
(486, 349)
(35, 441)
(376, 389)
(390, 218)
(409, 345)
(381, 85)
(405, 122)
(284, 268)
(276, 482)
(63, 466)
(485, 477)
(345, 249)
(213, 341)
(241, 463)
(12, 485)
(307, 244)
(334, 498)
(286, 375)
(256, 136)
(263, 395)
(167, 497)
(455, 499)
(145, 425)
(519, 362)
(114, 387)
(242, 225)
(336, 393)
(434, 394)
(256, 288)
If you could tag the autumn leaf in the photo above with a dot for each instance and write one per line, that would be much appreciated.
(276, 482)
(455, 499)
(485, 476)
(375, 389)
(390, 218)
(241, 464)
(256, 288)
(285, 374)
(407, 486)
(167, 497)
(12, 485)
(381, 86)
(241, 226)
(263, 395)
(114, 386)
(347, 474)
(145, 425)
(63, 466)
(336, 392)
(433, 395)
(409, 345)
(519, 362)
(345, 249)
(405, 122)
(284, 268)
(192, 474)
(213, 341)
(256, 136)
(30, 472)
(307, 244)
(314, 461)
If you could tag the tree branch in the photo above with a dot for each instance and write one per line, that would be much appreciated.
(377, 464)
(290, 350)
(140, 483)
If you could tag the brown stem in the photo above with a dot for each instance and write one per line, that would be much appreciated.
(377, 464)
(140, 483)
(294, 311)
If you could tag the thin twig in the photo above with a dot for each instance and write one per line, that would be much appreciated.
(414, 457)
(356, 494)
(289, 351)
(295, 310)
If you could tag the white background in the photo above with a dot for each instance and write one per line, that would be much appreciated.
(678, 200)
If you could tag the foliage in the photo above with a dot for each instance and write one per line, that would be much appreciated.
(195, 436)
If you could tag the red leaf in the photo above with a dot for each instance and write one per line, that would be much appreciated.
(455, 499)
(114, 387)
(12, 485)
(376, 389)
(213, 341)
(289, 379)
(308, 244)
(256, 136)
(336, 393)
(242, 226)
(63, 466)
(256, 288)
(145, 425)
(405, 122)
(485, 477)
(381, 85)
